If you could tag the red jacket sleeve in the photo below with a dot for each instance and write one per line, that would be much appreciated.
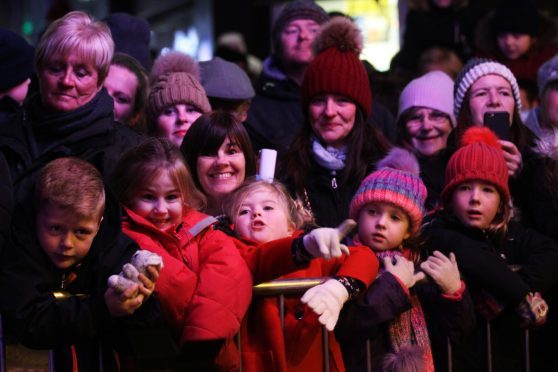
(223, 293)
(176, 284)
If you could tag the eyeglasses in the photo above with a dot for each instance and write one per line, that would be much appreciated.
(434, 116)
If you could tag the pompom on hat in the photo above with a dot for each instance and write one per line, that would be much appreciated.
(397, 182)
(175, 79)
(480, 158)
(474, 70)
(433, 90)
(336, 69)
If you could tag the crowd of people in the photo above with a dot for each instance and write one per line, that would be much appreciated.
(427, 223)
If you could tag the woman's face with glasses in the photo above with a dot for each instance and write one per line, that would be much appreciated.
(428, 130)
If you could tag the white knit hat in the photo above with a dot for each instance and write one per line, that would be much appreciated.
(433, 90)
(474, 70)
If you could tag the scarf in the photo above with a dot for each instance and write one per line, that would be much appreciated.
(329, 157)
(409, 328)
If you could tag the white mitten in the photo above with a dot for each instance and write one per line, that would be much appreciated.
(119, 283)
(326, 300)
(142, 259)
(325, 241)
(130, 271)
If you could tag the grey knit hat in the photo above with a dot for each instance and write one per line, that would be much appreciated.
(225, 80)
(547, 73)
(175, 79)
(474, 70)
(298, 9)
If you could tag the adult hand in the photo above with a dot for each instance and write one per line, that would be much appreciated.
(326, 300)
(404, 270)
(513, 158)
(443, 271)
(326, 242)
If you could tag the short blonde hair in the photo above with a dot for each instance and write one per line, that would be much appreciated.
(79, 32)
(296, 215)
(141, 164)
(73, 184)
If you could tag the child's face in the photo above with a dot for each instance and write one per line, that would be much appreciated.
(476, 203)
(64, 236)
(514, 45)
(382, 226)
(262, 217)
(159, 202)
(174, 121)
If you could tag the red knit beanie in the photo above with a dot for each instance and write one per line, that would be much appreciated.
(480, 157)
(336, 69)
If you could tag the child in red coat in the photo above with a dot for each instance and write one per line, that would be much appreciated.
(268, 221)
(205, 286)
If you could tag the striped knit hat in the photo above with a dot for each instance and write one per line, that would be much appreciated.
(397, 182)
(474, 70)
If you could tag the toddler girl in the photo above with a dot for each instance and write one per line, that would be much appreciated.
(268, 221)
(475, 223)
(389, 207)
(205, 287)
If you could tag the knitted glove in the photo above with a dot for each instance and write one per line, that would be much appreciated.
(130, 271)
(532, 311)
(326, 242)
(326, 300)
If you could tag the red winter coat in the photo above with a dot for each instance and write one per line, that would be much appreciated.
(264, 347)
(205, 286)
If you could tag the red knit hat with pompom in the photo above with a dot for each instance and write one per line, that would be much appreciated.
(336, 69)
(481, 158)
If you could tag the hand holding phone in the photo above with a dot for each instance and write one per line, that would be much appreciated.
(499, 123)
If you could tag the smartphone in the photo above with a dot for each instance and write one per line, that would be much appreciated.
(499, 123)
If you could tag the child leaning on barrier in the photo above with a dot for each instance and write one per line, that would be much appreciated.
(395, 315)
(72, 243)
(205, 286)
(268, 223)
(475, 224)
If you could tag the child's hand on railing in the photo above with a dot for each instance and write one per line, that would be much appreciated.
(326, 242)
(326, 300)
(532, 311)
(123, 303)
(443, 271)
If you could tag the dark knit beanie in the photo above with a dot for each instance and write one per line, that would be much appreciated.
(336, 69)
(175, 79)
(517, 16)
(474, 70)
(481, 158)
(16, 59)
(298, 9)
(132, 36)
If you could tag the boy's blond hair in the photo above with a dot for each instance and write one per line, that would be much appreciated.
(73, 184)
(297, 216)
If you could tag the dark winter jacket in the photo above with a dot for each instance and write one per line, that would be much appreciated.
(368, 317)
(432, 173)
(327, 199)
(39, 320)
(483, 263)
(6, 201)
(37, 136)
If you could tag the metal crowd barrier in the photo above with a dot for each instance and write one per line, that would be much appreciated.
(297, 286)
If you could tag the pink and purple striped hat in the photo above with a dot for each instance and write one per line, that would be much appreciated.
(397, 182)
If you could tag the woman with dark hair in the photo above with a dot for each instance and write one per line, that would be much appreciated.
(336, 148)
(220, 156)
(127, 83)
